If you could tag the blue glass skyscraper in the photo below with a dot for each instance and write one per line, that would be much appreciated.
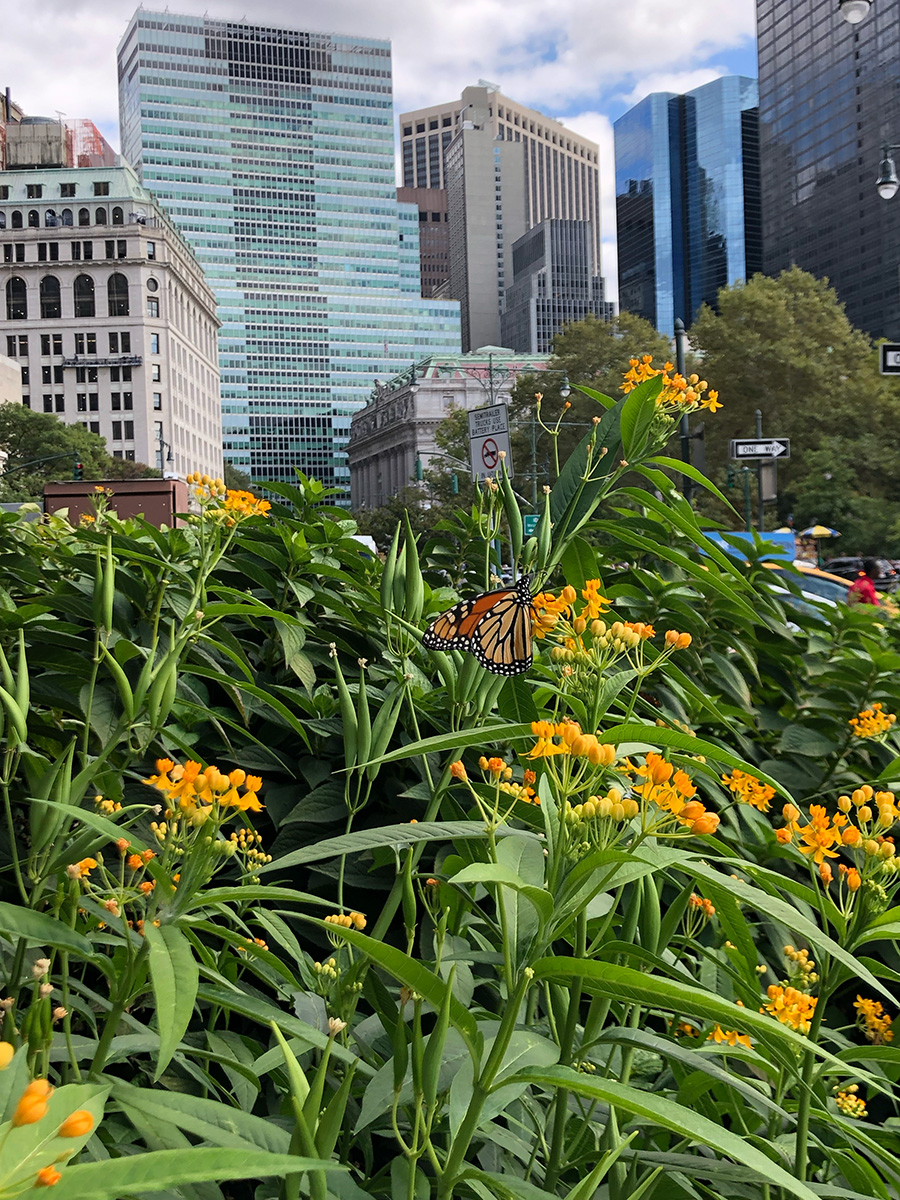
(272, 149)
(687, 198)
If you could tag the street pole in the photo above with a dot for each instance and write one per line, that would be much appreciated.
(684, 426)
(533, 461)
(759, 478)
(748, 507)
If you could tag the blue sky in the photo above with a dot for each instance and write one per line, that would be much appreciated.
(583, 61)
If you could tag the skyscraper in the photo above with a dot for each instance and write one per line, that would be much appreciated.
(505, 168)
(828, 100)
(554, 282)
(272, 149)
(687, 198)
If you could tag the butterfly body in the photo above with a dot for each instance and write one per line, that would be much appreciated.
(495, 627)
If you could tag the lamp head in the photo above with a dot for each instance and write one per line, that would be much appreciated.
(565, 391)
(853, 11)
(887, 182)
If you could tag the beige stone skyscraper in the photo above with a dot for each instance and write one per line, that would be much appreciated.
(505, 168)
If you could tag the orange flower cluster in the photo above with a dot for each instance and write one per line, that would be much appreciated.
(854, 826)
(695, 901)
(872, 722)
(495, 767)
(546, 610)
(850, 1103)
(874, 1021)
(595, 603)
(791, 1007)
(748, 789)
(200, 793)
(566, 737)
(32, 1107)
(215, 498)
(678, 393)
(353, 920)
(673, 792)
(731, 1037)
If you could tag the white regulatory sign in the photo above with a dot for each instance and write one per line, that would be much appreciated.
(488, 438)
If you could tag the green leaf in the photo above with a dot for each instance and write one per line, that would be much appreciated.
(371, 839)
(209, 1120)
(159, 1170)
(573, 497)
(174, 974)
(43, 930)
(505, 877)
(657, 1110)
(800, 739)
(638, 411)
(457, 741)
(579, 563)
(683, 468)
(417, 978)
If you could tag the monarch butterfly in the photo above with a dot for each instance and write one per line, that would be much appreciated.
(495, 627)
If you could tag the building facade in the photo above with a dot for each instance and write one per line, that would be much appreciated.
(272, 149)
(10, 380)
(687, 198)
(554, 282)
(392, 439)
(434, 236)
(828, 101)
(105, 310)
(505, 169)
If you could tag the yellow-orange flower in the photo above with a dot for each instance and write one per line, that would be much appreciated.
(748, 789)
(47, 1176)
(730, 1036)
(77, 1124)
(596, 603)
(32, 1106)
(791, 1007)
(819, 835)
(872, 722)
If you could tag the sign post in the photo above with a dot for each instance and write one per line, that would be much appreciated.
(744, 448)
(488, 438)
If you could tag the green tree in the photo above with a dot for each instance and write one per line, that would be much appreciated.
(237, 479)
(27, 436)
(785, 346)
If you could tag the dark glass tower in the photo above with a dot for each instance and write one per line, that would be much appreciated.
(687, 198)
(829, 96)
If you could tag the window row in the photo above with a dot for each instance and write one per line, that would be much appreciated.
(85, 343)
(35, 191)
(49, 251)
(20, 219)
(51, 297)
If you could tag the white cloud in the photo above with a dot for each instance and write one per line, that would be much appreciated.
(672, 81)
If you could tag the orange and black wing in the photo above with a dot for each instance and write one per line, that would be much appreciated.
(502, 639)
(453, 629)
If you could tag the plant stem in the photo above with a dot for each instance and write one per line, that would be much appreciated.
(804, 1103)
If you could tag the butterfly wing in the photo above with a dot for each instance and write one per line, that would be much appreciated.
(495, 627)
(502, 639)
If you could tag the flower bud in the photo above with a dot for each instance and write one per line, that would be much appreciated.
(77, 1124)
(865, 813)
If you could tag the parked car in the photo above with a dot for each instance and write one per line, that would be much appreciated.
(887, 579)
(815, 585)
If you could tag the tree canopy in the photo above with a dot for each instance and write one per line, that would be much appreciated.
(27, 437)
(785, 346)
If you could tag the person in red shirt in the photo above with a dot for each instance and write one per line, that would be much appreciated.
(862, 589)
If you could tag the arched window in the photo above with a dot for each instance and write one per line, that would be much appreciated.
(50, 218)
(117, 293)
(84, 296)
(16, 299)
(16, 220)
(2, 220)
(51, 305)
(34, 219)
(84, 216)
(118, 217)
(65, 217)
(100, 216)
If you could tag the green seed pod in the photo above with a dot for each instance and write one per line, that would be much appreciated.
(121, 679)
(513, 515)
(15, 714)
(388, 571)
(415, 585)
(651, 915)
(434, 1051)
(401, 1050)
(543, 535)
(364, 720)
(23, 684)
(348, 715)
(109, 586)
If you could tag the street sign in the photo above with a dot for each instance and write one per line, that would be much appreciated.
(488, 438)
(529, 522)
(889, 356)
(761, 448)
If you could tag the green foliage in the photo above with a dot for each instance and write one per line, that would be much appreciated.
(784, 346)
(434, 946)
(26, 436)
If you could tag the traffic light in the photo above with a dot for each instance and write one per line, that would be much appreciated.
(731, 477)
(78, 470)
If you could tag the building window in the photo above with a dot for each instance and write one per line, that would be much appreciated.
(115, 401)
(152, 306)
(101, 189)
(129, 456)
(51, 305)
(34, 219)
(152, 285)
(16, 302)
(156, 373)
(16, 220)
(65, 217)
(46, 373)
(84, 216)
(4, 191)
(126, 343)
(93, 402)
(85, 302)
(129, 431)
(117, 431)
(127, 401)
(58, 373)
(157, 401)
(151, 250)
(118, 216)
(117, 293)
(100, 216)
(67, 189)
(121, 249)
(76, 251)
(26, 376)
(81, 402)
(60, 402)
(154, 343)
(57, 343)
(48, 404)
(34, 191)
(85, 343)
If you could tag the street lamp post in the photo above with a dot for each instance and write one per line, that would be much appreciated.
(887, 182)
(161, 453)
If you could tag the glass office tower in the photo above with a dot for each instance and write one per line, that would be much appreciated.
(687, 198)
(828, 99)
(272, 149)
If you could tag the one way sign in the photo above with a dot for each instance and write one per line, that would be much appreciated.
(761, 448)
